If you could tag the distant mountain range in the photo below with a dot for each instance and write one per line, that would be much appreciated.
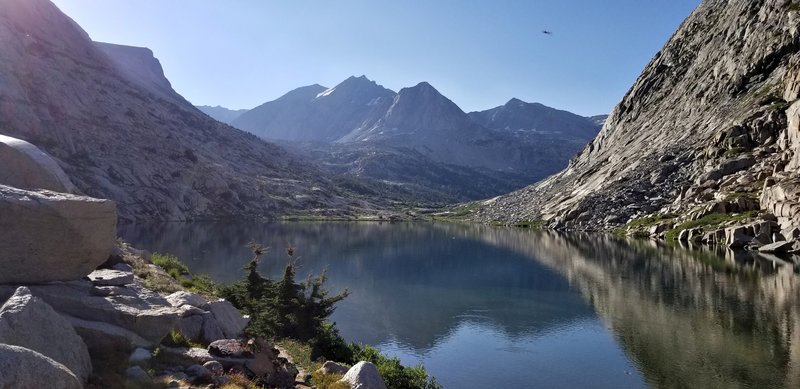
(221, 114)
(361, 129)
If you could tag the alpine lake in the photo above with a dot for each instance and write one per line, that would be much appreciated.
(494, 307)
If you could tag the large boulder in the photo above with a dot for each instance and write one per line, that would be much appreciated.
(48, 236)
(364, 375)
(182, 297)
(22, 368)
(25, 166)
(229, 319)
(130, 316)
(27, 321)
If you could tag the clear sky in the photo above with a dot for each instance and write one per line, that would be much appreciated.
(479, 53)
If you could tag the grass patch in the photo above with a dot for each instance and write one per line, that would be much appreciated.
(710, 221)
(636, 227)
(732, 152)
(170, 264)
(328, 381)
(300, 353)
(198, 283)
(461, 212)
(176, 339)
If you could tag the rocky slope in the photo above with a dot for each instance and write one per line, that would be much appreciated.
(111, 119)
(712, 119)
(221, 114)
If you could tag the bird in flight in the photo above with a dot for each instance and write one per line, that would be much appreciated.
(547, 32)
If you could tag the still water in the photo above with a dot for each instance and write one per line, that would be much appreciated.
(487, 307)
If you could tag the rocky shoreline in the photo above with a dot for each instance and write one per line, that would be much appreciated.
(76, 313)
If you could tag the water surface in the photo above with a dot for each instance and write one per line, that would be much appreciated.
(486, 307)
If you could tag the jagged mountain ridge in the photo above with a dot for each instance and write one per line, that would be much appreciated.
(109, 116)
(537, 119)
(316, 113)
(717, 105)
(221, 114)
(363, 130)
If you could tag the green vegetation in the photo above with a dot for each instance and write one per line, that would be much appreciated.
(170, 264)
(176, 339)
(709, 222)
(732, 152)
(394, 374)
(459, 213)
(637, 226)
(296, 314)
(328, 381)
(198, 283)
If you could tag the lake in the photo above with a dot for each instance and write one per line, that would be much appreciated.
(490, 307)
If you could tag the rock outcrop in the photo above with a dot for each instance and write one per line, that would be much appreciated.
(49, 236)
(28, 322)
(364, 375)
(25, 166)
(205, 321)
(128, 317)
(26, 369)
(714, 115)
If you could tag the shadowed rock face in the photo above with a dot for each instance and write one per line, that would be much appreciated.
(25, 166)
(49, 236)
(110, 118)
(721, 88)
(24, 368)
(27, 321)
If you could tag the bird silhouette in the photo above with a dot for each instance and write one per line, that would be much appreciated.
(547, 32)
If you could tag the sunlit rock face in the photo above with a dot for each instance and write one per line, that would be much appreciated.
(721, 88)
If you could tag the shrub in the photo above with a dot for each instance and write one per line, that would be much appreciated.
(170, 264)
(395, 375)
(286, 309)
(283, 309)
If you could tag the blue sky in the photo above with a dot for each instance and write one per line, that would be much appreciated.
(241, 53)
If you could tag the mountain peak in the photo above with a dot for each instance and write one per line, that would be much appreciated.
(515, 102)
(357, 80)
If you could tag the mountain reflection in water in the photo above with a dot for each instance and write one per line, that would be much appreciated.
(533, 308)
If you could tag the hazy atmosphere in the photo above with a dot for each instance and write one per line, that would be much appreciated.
(239, 54)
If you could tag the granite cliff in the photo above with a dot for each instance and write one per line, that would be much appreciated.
(710, 126)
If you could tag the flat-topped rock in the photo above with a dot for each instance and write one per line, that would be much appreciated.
(48, 236)
(132, 312)
(25, 166)
(108, 277)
